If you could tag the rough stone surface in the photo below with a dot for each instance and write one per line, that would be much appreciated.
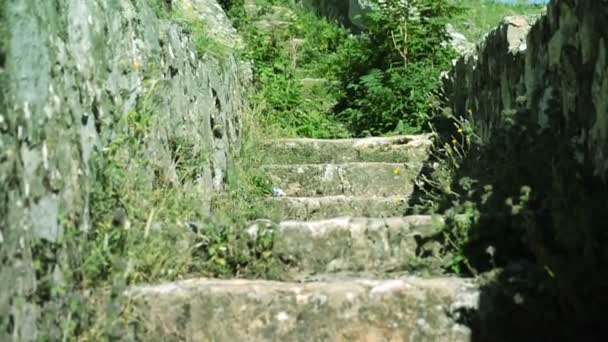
(356, 179)
(538, 88)
(404, 309)
(490, 81)
(74, 69)
(458, 41)
(314, 208)
(352, 244)
(555, 68)
(347, 12)
(63, 132)
(400, 149)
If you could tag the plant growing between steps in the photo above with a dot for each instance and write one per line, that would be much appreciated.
(149, 229)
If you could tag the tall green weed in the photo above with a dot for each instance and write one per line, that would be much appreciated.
(379, 81)
(390, 72)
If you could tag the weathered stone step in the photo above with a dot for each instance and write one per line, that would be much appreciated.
(309, 82)
(270, 18)
(404, 309)
(351, 244)
(314, 208)
(378, 179)
(399, 149)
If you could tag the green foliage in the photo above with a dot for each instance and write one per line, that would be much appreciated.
(382, 80)
(523, 194)
(234, 8)
(282, 60)
(148, 226)
(147, 223)
(162, 8)
(379, 81)
(204, 43)
(192, 24)
(155, 224)
(390, 72)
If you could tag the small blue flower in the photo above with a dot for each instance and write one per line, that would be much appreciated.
(276, 192)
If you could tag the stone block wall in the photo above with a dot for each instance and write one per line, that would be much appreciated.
(346, 12)
(71, 71)
(554, 67)
(536, 92)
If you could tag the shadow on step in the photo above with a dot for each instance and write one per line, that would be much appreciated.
(535, 207)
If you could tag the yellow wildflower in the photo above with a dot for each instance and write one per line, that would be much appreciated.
(460, 130)
(396, 171)
(454, 141)
(136, 65)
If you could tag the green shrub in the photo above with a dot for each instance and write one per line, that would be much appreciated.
(391, 70)
(289, 107)
(162, 8)
(379, 81)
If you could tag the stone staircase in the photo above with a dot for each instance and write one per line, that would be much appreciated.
(347, 248)
(371, 177)
(348, 251)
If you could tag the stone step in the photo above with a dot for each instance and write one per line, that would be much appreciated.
(355, 179)
(403, 309)
(351, 244)
(269, 25)
(269, 12)
(314, 208)
(399, 149)
(310, 83)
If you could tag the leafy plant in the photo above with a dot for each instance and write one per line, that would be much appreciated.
(283, 60)
(391, 70)
(162, 8)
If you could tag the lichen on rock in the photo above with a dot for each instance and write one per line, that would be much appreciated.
(73, 72)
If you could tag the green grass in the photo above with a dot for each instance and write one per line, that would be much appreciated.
(370, 88)
(282, 58)
(481, 16)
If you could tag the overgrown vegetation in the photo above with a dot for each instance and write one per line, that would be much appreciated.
(515, 200)
(293, 96)
(317, 79)
(147, 220)
(313, 79)
(391, 71)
